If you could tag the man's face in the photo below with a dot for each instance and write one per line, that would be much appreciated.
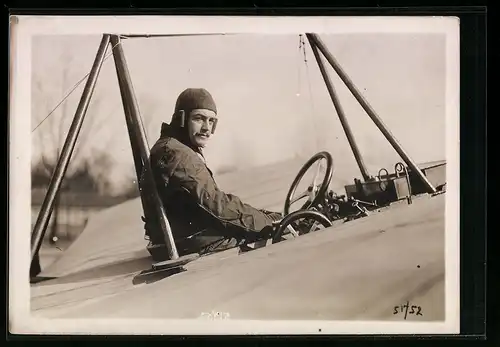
(200, 123)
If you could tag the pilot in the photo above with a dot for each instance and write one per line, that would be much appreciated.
(203, 218)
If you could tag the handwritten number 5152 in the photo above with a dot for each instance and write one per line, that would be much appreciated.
(407, 309)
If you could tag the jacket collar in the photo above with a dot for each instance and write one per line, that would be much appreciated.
(169, 131)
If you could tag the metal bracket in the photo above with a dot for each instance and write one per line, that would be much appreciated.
(399, 168)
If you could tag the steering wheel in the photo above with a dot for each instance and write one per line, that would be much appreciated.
(290, 224)
(315, 193)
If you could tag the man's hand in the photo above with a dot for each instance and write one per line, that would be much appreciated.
(276, 217)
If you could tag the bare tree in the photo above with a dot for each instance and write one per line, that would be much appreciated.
(99, 169)
(54, 116)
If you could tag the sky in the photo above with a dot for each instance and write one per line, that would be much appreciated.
(272, 104)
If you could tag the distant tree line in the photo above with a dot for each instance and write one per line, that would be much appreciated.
(88, 175)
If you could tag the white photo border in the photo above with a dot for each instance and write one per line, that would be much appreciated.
(20, 319)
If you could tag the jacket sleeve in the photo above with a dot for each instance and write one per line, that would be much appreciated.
(179, 169)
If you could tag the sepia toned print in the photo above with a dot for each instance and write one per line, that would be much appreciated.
(228, 177)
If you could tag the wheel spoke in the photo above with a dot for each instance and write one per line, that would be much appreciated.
(292, 230)
(313, 227)
(301, 196)
(318, 169)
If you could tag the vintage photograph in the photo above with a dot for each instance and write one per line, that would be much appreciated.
(296, 177)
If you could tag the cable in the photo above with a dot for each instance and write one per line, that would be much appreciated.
(72, 90)
(299, 85)
(313, 111)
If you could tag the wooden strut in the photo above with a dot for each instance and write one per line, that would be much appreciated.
(340, 112)
(62, 164)
(131, 107)
(316, 41)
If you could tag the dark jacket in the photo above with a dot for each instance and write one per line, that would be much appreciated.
(193, 202)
